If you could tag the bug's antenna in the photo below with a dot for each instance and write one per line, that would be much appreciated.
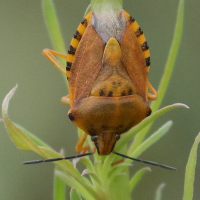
(145, 161)
(57, 159)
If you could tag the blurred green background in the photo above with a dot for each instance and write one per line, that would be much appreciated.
(37, 107)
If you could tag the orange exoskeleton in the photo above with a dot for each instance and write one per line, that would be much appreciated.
(107, 70)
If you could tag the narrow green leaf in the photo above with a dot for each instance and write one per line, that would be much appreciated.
(137, 177)
(171, 58)
(118, 181)
(190, 171)
(87, 162)
(88, 193)
(128, 136)
(150, 141)
(168, 68)
(159, 191)
(54, 31)
(88, 182)
(74, 195)
(65, 165)
(17, 136)
(96, 183)
(53, 27)
(92, 174)
(36, 140)
(23, 142)
(117, 184)
(116, 169)
(109, 160)
(59, 188)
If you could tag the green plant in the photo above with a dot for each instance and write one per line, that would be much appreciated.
(106, 181)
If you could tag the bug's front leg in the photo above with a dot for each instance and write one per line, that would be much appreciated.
(81, 140)
(50, 55)
(151, 96)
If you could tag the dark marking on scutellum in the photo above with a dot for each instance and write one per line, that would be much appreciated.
(130, 91)
(101, 92)
(110, 94)
(123, 93)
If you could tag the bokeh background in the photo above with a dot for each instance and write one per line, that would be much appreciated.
(37, 107)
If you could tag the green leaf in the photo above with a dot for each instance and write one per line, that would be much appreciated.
(190, 171)
(118, 181)
(137, 177)
(159, 191)
(59, 188)
(92, 174)
(22, 141)
(168, 68)
(74, 195)
(36, 140)
(171, 57)
(88, 193)
(151, 140)
(128, 136)
(87, 162)
(116, 169)
(54, 31)
(53, 26)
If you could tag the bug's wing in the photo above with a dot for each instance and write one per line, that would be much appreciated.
(86, 65)
(134, 60)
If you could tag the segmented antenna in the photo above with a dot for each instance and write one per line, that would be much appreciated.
(145, 161)
(57, 159)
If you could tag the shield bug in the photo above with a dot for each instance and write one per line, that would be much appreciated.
(107, 70)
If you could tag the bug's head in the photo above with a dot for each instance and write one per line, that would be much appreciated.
(105, 142)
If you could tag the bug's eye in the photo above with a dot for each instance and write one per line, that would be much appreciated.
(94, 138)
(117, 137)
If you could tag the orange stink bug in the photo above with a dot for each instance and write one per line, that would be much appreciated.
(107, 71)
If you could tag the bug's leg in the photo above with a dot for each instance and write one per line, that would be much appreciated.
(50, 55)
(151, 96)
(79, 144)
(117, 162)
(65, 100)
